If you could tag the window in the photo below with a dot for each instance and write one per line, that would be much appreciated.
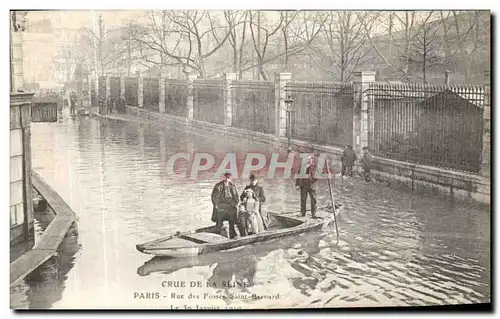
(16, 192)
(16, 168)
(16, 214)
(16, 142)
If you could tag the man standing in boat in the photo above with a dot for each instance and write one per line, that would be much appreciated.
(225, 200)
(307, 186)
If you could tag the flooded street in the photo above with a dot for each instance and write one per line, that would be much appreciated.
(395, 248)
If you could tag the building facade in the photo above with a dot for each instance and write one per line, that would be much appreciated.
(21, 205)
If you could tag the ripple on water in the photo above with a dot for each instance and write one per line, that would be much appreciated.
(395, 248)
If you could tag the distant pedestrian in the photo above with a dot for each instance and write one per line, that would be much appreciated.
(102, 105)
(120, 105)
(367, 163)
(109, 105)
(348, 159)
(72, 100)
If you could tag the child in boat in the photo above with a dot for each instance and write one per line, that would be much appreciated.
(249, 219)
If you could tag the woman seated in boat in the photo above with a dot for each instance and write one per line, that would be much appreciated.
(249, 219)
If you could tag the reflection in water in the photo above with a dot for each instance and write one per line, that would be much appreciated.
(46, 284)
(394, 247)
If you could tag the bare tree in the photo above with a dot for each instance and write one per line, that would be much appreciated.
(298, 30)
(185, 38)
(237, 24)
(343, 45)
(425, 52)
(104, 52)
(268, 29)
(400, 35)
(470, 33)
(69, 56)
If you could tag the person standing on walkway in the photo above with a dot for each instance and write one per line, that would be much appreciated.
(307, 186)
(120, 105)
(225, 200)
(348, 159)
(72, 100)
(109, 105)
(367, 163)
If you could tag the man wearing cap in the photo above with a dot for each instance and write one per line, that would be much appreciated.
(225, 200)
(307, 186)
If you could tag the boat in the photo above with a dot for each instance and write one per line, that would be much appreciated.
(238, 258)
(206, 240)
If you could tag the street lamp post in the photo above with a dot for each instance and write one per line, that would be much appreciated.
(289, 110)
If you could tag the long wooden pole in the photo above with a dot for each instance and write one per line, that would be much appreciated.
(331, 196)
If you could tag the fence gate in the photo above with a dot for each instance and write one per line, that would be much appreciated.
(131, 91)
(114, 87)
(322, 112)
(151, 94)
(102, 87)
(253, 105)
(439, 126)
(176, 92)
(209, 101)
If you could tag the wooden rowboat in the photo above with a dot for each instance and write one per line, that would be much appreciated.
(205, 240)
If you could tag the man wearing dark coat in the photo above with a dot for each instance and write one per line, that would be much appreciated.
(120, 105)
(348, 158)
(225, 200)
(307, 186)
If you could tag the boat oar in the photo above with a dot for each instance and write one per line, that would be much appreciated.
(331, 196)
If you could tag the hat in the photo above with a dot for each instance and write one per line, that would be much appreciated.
(253, 176)
(228, 174)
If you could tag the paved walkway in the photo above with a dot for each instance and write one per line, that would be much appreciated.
(52, 236)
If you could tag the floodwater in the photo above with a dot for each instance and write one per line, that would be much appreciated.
(394, 248)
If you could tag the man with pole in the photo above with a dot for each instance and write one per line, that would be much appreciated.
(307, 186)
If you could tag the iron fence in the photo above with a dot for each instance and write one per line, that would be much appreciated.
(176, 92)
(102, 88)
(131, 91)
(428, 124)
(151, 94)
(254, 105)
(114, 87)
(322, 112)
(209, 101)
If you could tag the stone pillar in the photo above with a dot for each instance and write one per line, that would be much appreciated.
(16, 51)
(363, 109)
(486, 153)
(108, 87)
(190, 98)
(228, 105)
(140, 92)
(280, 84)
(161, 90)
(89, 93)
(96, 87)
(122, 87)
